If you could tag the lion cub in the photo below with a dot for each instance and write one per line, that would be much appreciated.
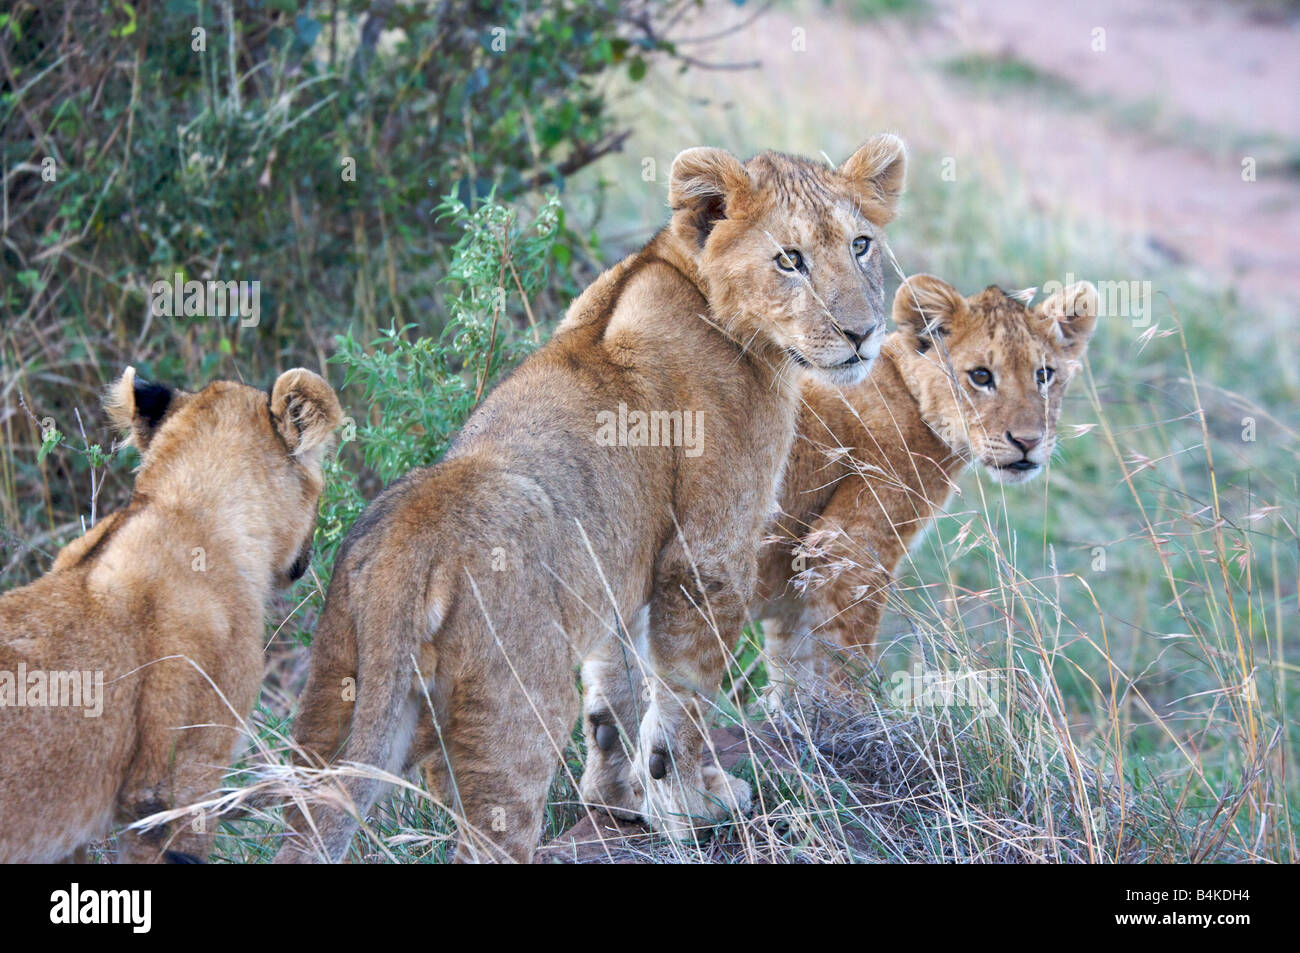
(125, 669)
(576, 497)
(962, 379)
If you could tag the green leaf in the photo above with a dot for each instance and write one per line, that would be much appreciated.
(127, 28)
(49, 440)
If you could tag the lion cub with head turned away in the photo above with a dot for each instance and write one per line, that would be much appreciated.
(126, 670)
(465, 595)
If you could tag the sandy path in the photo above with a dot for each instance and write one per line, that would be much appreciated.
(1209, 60)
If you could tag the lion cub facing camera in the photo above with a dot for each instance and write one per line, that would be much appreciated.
(976, 379)
(125, 669)
(466, 594)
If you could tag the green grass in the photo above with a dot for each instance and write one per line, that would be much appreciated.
(996, 74)
(864, 11)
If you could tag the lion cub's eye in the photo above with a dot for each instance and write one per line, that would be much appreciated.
(860, 245)
(981, 377)
(789, 260)
(1044, 375)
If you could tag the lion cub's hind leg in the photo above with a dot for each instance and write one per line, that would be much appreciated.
(325, 712)
(612, 683)
(791, 662)
(187, 840)
(502, 752)
(685, 792)
(326, 706)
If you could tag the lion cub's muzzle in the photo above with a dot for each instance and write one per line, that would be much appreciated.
(1013, 470)
(861, 353)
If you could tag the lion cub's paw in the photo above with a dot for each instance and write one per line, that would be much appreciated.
(607, 785)
(726, 790)
(686, 800)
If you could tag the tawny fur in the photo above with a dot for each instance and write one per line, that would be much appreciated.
(873, 464)
(467, 592)
(221, 514)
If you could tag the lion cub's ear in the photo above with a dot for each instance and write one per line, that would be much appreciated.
(137, 407)
(1073, 312)
(704, 184)
(876, 172)
(305, 412)
(925, 307)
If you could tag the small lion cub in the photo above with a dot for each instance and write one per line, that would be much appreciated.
(978, 379)
(125, 670)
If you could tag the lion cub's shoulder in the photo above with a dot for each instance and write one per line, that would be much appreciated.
(642, 285)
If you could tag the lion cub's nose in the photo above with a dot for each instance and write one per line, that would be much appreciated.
(1025, 442)
(856, 339)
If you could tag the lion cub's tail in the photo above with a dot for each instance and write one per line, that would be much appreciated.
(325, 713)
(373, 661)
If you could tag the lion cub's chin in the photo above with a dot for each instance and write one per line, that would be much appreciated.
(844, 375)
(1009, 476)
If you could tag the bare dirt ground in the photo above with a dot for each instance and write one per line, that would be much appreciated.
(1149, 133)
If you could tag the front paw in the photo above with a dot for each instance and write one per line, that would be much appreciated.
(680, 794)
(687, 799)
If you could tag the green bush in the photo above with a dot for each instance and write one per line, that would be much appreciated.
(305, 145)
(416, 392)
